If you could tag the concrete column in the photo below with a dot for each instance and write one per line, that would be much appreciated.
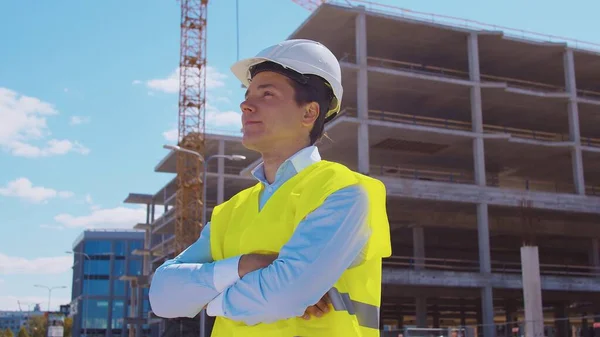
(487, 298)
(152, 212)
(585, 327)
(221, 171)
(532, 291)
(436, 316)
(463, 314)
(419, 247)
(476, 111)
(595, 255)
(509, 312)
(480, 180)
(574, 134)
(561, 323)
(421, 311)
(362, 97)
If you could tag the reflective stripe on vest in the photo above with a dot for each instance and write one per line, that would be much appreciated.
(366, 314)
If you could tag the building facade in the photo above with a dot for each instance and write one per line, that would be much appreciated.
(100, 295)
(14, 320)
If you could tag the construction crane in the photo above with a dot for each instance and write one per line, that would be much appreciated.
(191, 122)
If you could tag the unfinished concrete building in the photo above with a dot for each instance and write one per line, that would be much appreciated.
(487, 143)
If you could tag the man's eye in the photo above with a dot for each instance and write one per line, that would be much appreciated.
(267, 93)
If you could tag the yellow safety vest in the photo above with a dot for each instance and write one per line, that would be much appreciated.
(238, 227)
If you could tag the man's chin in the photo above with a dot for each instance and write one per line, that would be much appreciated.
(251, 142)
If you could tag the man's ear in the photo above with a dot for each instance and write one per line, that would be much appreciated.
(311, 113)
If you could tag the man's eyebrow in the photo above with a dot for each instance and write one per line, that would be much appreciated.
(262, 86)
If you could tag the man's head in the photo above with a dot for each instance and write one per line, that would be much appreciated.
(293, 89)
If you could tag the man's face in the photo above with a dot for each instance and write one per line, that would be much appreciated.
(270, 116)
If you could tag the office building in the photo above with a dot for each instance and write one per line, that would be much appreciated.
(100, 295)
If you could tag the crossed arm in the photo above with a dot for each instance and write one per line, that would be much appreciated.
(325, 243)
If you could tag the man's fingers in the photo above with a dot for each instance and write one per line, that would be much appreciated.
(323, 305)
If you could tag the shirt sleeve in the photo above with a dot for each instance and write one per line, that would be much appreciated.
(323, 246)
(182, 286)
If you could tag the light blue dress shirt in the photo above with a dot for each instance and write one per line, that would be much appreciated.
(328, 241)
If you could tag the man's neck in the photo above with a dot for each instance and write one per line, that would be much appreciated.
(272, 160)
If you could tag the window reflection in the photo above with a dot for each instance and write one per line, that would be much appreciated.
(120, 248)
(135, 266)
(119, 267)
(95, 247)
(97, 314)
(119, 287)
(97, 267)
(118, 312)
(96, 286)
(133, 245)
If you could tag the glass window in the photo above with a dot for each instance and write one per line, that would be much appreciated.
(96, 316)
(93, 247)
(119, 287)
(120, 248)
(135, 267)
(97, 267)
(118, 312)
(96, 287)
(137, 244)
(119, 268)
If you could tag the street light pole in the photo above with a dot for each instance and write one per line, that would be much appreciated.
(87, 302)
(234, 157)
(49, 292)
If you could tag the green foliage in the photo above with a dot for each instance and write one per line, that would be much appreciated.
(8, 333)
(23, 332)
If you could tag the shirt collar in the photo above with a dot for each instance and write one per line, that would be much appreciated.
(299, 161)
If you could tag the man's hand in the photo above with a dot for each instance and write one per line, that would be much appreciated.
(254, 261)
(319, 309)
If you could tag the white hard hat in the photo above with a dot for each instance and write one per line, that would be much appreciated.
(306, 57)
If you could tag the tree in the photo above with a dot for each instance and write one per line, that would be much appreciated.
(23, 332)
(8, 333)
(37, 326)
(68, 326)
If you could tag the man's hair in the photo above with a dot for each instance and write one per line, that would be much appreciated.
(314, 91)
(307, 88)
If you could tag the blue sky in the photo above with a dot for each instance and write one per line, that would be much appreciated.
(88, 96)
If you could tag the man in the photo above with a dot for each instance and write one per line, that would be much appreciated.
(307, 240)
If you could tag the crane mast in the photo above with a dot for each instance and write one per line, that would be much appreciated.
(191, 124)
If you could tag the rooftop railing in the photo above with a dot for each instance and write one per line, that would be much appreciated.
(466, 23)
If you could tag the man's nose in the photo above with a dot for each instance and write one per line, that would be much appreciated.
(247, 107)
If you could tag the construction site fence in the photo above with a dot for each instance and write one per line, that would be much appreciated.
(504, 267)
(453, 21)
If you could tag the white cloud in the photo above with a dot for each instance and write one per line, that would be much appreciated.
(170, 84)
(171, 135)
(59, 297)
(12, 265)
(77, 120)
(24, 189)
(23, 121)
(118, 217)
